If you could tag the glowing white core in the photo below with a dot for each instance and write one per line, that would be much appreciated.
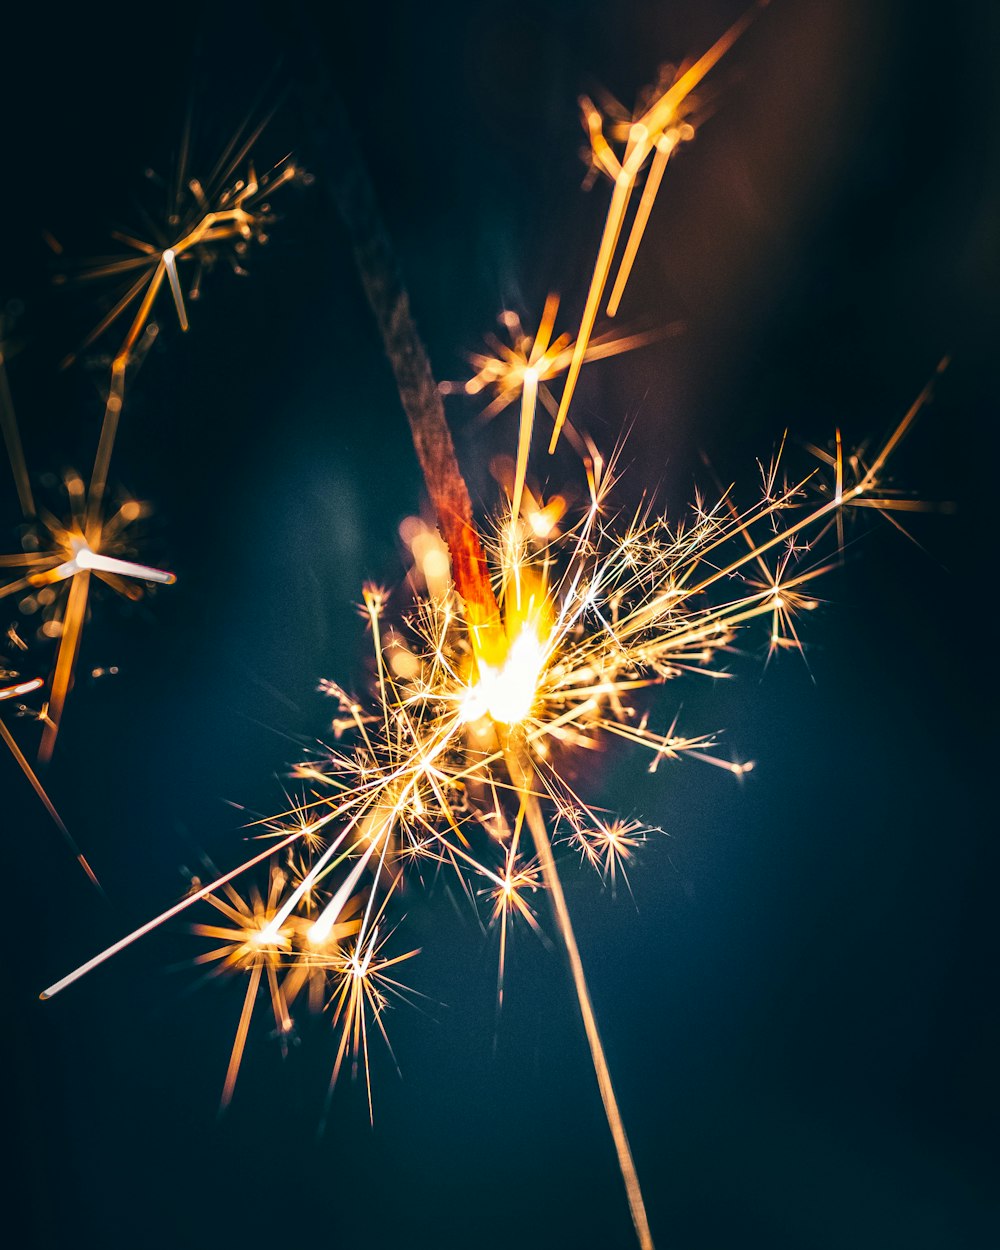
(506, 694)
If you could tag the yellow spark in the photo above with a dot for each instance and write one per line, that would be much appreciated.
(608, 845)
(69, 550)
(462, 745)
(506, 693)
(592, 619)
(655, 134)
(521, 368)
(20, 688)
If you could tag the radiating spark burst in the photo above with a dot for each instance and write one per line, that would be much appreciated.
(520, 369)
(609, 845)
(456, 753)
(284, 961)
(60, 558)
(361, 995)
(465, 742)
(519, 878)
(599, 615)
(206, 222)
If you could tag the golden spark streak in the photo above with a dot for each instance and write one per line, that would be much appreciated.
(58, 986)
(69, 646)
(602, 267)
(24, 687)
(236, 1056)
(665, 148)
(521, 776)
(645, 136)
(47, 803)
(12, 439)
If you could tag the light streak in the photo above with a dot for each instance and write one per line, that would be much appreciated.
(15, 692)
(503, 681)
(67, 553)
(203, 219)
(653, 137)
(521, 368)
(628, 612)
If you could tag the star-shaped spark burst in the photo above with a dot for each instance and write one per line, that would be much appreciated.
(477, 729)
(61, 556)
(608, 845)
(287, 955)
(206, 222)
(521, 368)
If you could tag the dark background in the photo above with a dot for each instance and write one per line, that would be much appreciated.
(796, 1008)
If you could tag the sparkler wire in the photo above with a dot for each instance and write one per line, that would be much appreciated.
(620, 618)
(521, 774)
(347, 182)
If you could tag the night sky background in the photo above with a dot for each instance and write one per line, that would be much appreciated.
(796, 1006)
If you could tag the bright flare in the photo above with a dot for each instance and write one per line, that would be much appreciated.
(506, 694)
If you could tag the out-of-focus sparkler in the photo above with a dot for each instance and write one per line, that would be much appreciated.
(221, 216)
(61, 555)
(205, 221)
(56, 573)
(545, 645)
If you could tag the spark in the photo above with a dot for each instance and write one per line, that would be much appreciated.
(520, 369)
(470, 734)
(222, 215)
(360, 998)
(225, 212)
(61, 557)
(206, 221)
(650, 138)
(20, 688)
(609, 845)
(15, 691)
(627, 611)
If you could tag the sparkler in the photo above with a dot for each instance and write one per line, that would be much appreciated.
(205, 220)
(522, 368)
(61, 558)
(455, 758)
(652, 137)
(61, 555)
(544, 646)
